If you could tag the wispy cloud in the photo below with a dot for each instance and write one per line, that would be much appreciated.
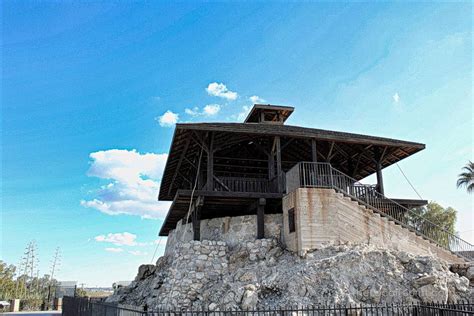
(193, 112)
(208, 110)
(396, 97)
(137, 253)
(134, 183)
(243, 113)
(220, 90)
(118, 239)
(113, 249)
(255, 99)
(168, 119)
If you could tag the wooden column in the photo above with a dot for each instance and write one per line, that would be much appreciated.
(378, 154)
(197, 223)
(314, 151)
(271, 166)
(196, 218)
(210, 163)
(278, 163)
(380, 188)
(261, 218)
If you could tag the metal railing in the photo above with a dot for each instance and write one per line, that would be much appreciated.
(323, 175)
(74, 306)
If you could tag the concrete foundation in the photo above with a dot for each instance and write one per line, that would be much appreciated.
(324, 217)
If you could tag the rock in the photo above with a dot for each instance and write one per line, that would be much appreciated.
(212, 306)
(248, 276)
(250, 298)
(144, 271)
(433, 293)
(424, 280)
(470, 273)
(259, 273)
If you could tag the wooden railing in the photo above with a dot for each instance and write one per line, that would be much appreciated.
(240, 184)
(251, 185)
(323, 175)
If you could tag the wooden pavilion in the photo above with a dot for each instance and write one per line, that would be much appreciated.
(232, 169)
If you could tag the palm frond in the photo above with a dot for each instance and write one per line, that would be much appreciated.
(466, 178)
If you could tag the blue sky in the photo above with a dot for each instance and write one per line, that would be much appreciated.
(85, 89)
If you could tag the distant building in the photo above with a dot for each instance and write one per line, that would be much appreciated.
(120, 284)
(65, 288)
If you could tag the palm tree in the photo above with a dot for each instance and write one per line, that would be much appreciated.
(466, 178)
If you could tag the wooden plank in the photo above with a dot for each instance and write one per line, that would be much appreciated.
(221, 183)
(314, 151)
(380, 187)
(328, 157)
(183, 153)
(197, 223)
(298, 132)
(261, 219)
(210, 162)
(278, 162)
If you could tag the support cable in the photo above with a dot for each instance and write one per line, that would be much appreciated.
(406, 178)
(192, 194)
(187, 218)
(158, 244)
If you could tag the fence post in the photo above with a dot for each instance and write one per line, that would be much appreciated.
(332, 180)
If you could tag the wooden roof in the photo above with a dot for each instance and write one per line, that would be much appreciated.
(348, 152)
(271, 113)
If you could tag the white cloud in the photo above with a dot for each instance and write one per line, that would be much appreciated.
(255, 99)
(118, 239)
(220, 90)
(168, 119)
(243, 114)
(193, 112)
(396, 97)
(112, 249)
(208, 110)
(211, 109)
(134, 183)
(137, 253)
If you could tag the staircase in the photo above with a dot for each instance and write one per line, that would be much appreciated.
(323, 175)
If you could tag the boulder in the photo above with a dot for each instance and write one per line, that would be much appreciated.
(260, 273)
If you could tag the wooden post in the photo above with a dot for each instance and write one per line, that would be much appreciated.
(271, 166)
(380, 188)
(378, 167)
(210, 163)
(197, 218)
(314, 150)
(278, 162)
(261, 218)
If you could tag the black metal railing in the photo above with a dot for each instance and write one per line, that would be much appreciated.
(74, 306)
(323, 175)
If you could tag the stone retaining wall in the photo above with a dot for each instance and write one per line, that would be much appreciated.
(231, 230)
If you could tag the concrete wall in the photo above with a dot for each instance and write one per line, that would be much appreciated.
(231, 230)
(325, 217)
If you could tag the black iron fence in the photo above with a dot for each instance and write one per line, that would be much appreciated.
(74, 306)
(323, 175)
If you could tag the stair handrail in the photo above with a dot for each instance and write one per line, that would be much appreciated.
(312, 177)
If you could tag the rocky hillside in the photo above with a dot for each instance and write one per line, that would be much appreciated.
(212, 275)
